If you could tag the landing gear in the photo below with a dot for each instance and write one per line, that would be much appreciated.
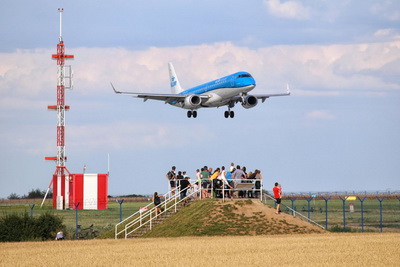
(191, 113)
(229, 113)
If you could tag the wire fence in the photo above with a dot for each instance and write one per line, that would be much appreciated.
(347, 213)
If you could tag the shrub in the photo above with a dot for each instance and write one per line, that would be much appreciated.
(337, 229)
(21, 227)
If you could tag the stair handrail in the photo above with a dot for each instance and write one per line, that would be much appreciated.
(294, 212)
(166, 196)
(149, 213)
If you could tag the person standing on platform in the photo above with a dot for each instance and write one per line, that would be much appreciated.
(205, 182)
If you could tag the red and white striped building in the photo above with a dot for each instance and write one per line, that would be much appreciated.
(84, 191)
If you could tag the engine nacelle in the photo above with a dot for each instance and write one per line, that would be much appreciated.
(250, 101)
(192, 101)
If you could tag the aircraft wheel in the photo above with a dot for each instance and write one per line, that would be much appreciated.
(189, 114)
(232, 114)
(226, 114)
(194, 114)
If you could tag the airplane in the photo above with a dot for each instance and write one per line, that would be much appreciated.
(225, 91)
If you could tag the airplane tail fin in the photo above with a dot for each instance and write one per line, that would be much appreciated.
(173, 79)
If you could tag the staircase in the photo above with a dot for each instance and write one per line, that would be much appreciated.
(145, 219)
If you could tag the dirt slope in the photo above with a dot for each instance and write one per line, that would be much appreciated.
(237, 217)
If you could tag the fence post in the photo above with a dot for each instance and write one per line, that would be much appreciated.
(76, 219)
(344, 212)
(200, 191)
(293, 199)
(223, 191)
(120, 209)
(326, 211)
(380, 211)
(150, 219)
(31, 206)
(309, 200)
(362, 212)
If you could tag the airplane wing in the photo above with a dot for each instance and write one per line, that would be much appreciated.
(263, 97)
(161, 97)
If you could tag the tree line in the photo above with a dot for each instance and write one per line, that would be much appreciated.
(34, 193)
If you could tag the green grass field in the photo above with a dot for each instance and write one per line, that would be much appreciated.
(105, 220)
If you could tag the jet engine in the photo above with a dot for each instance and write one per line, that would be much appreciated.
(192, 101)
(249, 101)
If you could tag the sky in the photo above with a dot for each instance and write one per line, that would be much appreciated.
(338, 131)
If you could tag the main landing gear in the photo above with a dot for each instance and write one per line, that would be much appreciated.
(229, 113)
(191, 113)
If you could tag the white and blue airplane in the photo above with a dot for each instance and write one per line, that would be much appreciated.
(225, 91)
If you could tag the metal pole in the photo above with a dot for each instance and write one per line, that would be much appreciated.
(380, 211)
(362, 212)
(293, 200)
(120, 209)
(326, 211)
(76, 219)
(344, 212)
(308, 200)
(31, 206)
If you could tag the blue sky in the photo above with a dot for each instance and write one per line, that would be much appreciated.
(337, 131)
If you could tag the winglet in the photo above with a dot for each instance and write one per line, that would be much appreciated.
(287, 89)
(117, 92)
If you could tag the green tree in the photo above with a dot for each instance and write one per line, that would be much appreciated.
(13, 196)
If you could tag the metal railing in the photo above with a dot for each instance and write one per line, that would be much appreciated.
(253, 187)
(126, 220)
(294, 212)
(146, 217)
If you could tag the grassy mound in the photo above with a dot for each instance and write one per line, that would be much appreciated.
(240, 217)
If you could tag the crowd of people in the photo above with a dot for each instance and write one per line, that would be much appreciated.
(216, 183)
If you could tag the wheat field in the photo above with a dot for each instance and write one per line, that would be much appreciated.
(375, 249)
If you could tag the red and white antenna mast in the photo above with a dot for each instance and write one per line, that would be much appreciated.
(64, 81)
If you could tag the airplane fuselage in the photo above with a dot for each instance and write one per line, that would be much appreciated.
(220, 91)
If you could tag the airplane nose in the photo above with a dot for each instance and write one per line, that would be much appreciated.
(250, 81)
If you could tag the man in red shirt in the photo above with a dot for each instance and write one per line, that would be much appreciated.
(277, 195)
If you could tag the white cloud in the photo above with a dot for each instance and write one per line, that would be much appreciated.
(387, 34)
(320, 115)
(28, 78)
(288, 9)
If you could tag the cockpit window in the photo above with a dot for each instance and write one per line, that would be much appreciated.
(244, 76)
